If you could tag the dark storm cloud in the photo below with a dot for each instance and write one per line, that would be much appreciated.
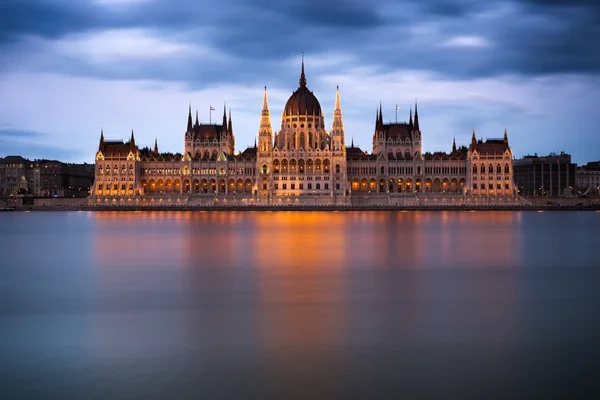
(536, 37)
(46, 19)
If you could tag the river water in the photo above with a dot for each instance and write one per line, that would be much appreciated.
(299, 305)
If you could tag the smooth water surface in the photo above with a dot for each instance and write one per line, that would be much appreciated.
(299, 305)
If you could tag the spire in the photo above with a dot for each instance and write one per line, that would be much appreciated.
(505, 136)
(410, 121)
(380, 113)
(352, 144)
(155, 146)
(197, 122)
(224, 115)
(265, 119)
(132, 140)
(265, 102)
(416, 117)
(454, 145)
(302, 76)
(473, 138)
(337, 99)
(255, 143)
(338, 123)
(229, 126)
(189, 124)
(101, 146)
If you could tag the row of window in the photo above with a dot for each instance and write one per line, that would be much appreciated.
(115, 170)
(373, 170)
(309, 186)
(301, 178)
(492, 178)
(490, 186)
(114, 186)
(444, 170)
(491, 169)
(116, 179)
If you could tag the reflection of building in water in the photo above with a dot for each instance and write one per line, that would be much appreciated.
(303, 162)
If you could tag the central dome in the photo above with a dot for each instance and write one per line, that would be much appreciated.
(302, 101)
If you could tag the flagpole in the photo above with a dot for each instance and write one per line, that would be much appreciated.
(396, 113)
(210, 115)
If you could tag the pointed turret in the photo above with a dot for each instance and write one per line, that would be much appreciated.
(224, 115)
(229, 125)
(101, 146)
(473, 139)
(155, 146)
(416, 118)
(132, 142)
(265, 132)
(410, 120)
(189, 124)
(302, 76)
(337, 111)
(337, 129)
(505, 136)
(197, 121)
(454, 145)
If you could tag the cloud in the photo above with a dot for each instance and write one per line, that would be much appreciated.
(244, 41)
(466, 42)
(76, 66)
(19, 133)
(124, 45)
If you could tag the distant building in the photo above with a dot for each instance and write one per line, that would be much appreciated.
(588, 178)
(58, 179)
(552, 175)
(16, 176)
(44, 178)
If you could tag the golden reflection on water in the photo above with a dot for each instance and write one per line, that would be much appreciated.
(309, 240)
(303, 272)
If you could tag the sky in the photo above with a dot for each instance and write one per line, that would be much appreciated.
(70, 68)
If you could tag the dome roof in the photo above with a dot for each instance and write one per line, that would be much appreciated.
(302, 101)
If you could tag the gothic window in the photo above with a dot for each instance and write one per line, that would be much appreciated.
(337, 168)
(482, 169)
(474, 169)
(506, 169)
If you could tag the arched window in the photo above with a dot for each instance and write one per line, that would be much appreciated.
(337, 168)
(474, 169)
(506, 169)
(498, 169)
(482, 169)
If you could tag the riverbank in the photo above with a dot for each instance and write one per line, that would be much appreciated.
(462, 207)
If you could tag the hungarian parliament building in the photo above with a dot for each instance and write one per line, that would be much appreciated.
(303, 163)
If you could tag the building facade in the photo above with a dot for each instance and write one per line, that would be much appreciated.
(548, 176)
(588, 179)
(44, 178)
(302, 162)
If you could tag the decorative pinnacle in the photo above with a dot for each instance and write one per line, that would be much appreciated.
(302, 76)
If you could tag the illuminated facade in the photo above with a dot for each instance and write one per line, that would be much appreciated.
(303, 163)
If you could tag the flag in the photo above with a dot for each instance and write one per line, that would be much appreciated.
(212, 108)
(397, 107)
